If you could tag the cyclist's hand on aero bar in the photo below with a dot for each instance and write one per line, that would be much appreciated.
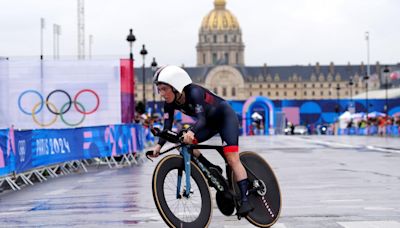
(156, 151)
(188, 137)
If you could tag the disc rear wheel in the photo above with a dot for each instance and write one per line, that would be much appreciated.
(267, 200)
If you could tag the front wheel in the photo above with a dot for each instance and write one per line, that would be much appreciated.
(176, 209)
(267, 200)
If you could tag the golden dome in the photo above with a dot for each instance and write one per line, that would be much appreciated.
(220, 18)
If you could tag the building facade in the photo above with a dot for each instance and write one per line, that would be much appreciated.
(221, 68)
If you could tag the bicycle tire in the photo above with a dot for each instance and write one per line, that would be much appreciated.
(168, 165)
(267, 208)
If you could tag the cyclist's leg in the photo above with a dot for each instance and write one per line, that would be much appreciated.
(229, 132)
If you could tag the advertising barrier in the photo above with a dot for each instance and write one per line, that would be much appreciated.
(21, 151)
(7, 152)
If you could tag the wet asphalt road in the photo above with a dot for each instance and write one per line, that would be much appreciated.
(329, 181)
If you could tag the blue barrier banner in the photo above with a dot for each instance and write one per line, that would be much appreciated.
(112, 140)
(7, 152)
(46, 147)
(21, 151)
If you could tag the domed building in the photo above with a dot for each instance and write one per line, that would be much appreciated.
(220, 38)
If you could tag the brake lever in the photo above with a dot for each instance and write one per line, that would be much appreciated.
(148, 154)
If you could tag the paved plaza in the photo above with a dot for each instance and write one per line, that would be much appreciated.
(326, 181)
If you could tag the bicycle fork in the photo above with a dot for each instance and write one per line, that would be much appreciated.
(186, 160)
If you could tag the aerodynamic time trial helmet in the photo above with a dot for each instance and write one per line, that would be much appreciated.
(174, 76)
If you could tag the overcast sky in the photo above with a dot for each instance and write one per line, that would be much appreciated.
(284, 32)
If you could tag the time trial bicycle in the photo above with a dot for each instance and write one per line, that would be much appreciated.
(181, 193)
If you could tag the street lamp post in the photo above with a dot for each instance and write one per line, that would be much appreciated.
(131, 38)
(338, 100)
(153, 69)
(367, 39)
(143, 52)
(386, 75)
(366, 78)
(351, 83)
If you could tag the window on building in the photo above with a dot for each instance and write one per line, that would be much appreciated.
(295, 93)
(234, 38)
(313, 93)
(205, 39)
(268, 86)
(233, 91)
(277, 93)
(322, 85)
(204, 58)
(356, 85)
(284, 86)
(305, 85)
(284, 93)
(224, 91)
(330, 93)
(260, 93)
(226, 38)
(269, 93)
(227, 58)
(329, 85)
(356, 92)
(305, 93)
(215, 58)
(277, 86)
(260, 86)
(215, 38)
(322, 93)
(313, 85)
(237, 58)
(295, 85)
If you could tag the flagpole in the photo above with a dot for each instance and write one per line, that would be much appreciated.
(42, 25)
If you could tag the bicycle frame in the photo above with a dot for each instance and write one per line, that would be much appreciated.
(186, 152)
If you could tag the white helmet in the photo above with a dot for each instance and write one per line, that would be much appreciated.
(173, 76)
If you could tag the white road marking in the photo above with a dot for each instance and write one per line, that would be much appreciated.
(370, 224)
(57, 192)
(341, 200)
(382, 149)
(379, 208)
(12, 213)
(87, 180)
(107, 172)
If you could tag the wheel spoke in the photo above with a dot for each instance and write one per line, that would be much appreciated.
(186, 209)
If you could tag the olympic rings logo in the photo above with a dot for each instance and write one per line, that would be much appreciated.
(51, 107)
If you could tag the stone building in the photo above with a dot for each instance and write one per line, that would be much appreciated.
(221, 68)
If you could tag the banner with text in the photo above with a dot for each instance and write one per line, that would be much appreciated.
(25, 150)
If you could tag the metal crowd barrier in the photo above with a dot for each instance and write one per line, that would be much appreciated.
(31, 156)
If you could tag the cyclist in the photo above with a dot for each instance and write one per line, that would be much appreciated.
(214, 115)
